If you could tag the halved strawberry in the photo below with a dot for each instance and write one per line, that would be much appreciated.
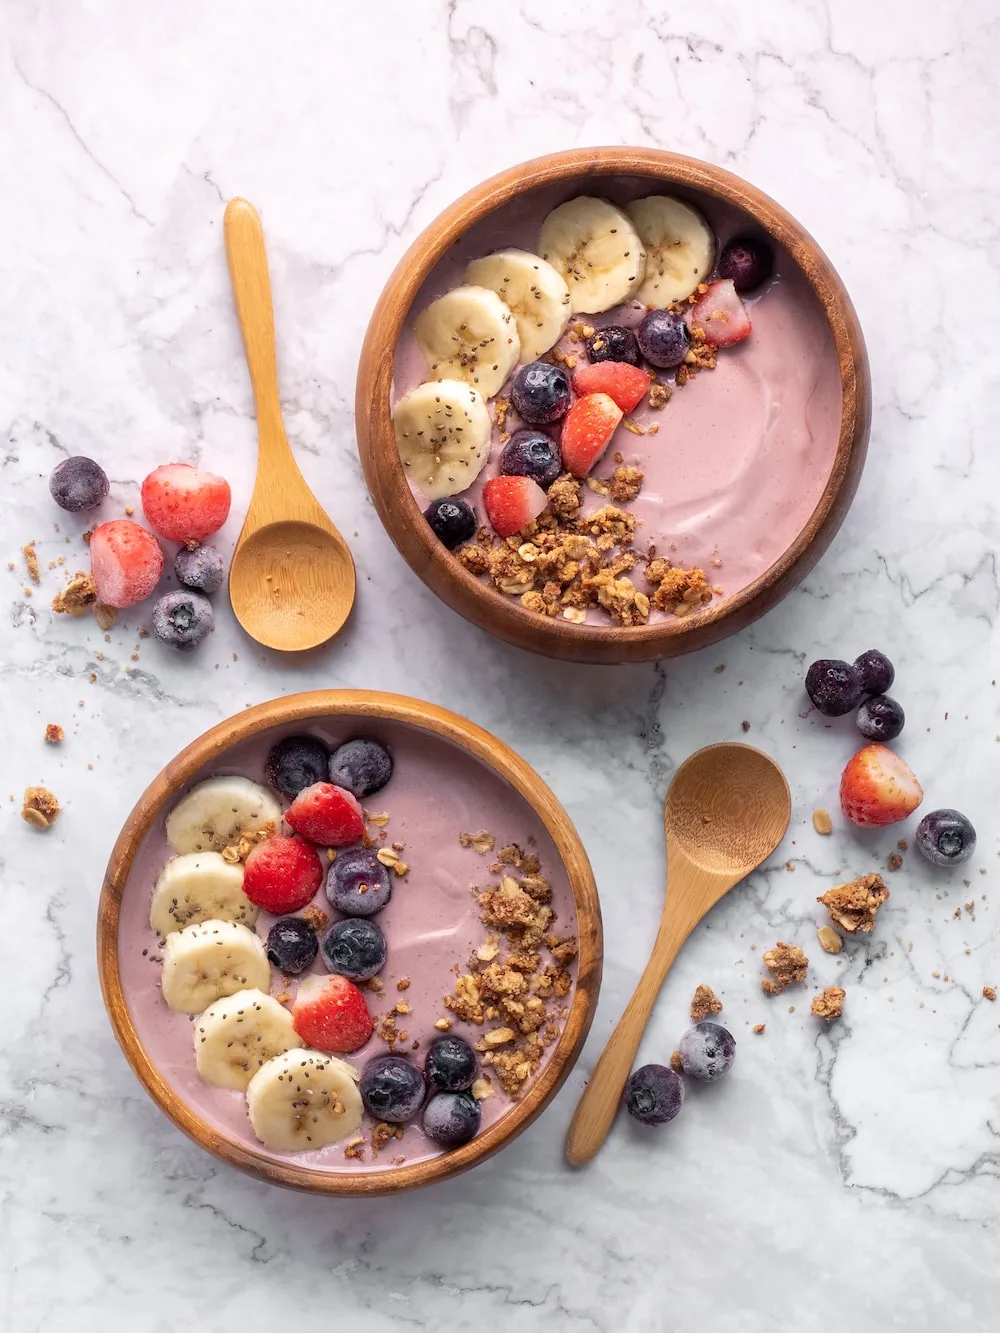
(512, 503)
(326, 814)
(877, 787)
(330, 1014)
(626, 384)
(587, 430)
(721, 315)
(282, 874)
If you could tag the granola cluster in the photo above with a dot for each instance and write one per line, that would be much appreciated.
(245, 841)
(853, 906)
(787, 965)
(40, 807)
(703, 1003)
(829, 1003)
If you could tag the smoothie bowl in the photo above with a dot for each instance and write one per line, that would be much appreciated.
(349, 942)
(613, 404)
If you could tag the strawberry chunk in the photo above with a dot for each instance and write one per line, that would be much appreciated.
(626, 384)
(185, 504)
(721, 315)
(126, 562)
(587, 431)
(326, 814)
(512, 503)
(330, 1014)
(877, 787)
(282, 874)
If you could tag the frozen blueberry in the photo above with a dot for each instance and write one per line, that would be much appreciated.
(880, 718)
(451, 1118)
(834, 686)
(747, 262)
(707, 1051)
(663, 339)
(876, 671)
(78, 484)
(183, 619)
(202, 569)
(530, 453)
(294, 763)
(357, 883)
(355, 948)
(392, 1089)
(361, 767)
(654, 1094)
(613, 343)
(450, 1064)
(452, 521)
(946, 837)
(291, 945)
(540, 393)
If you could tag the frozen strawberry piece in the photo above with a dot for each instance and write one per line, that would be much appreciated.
(721, 315)
(587, 431)
(626, 384)
(282, 874)
(327, 815)
(126, 562)
(512, 503)
(185, 504)
(330, 1014)
(877, 787)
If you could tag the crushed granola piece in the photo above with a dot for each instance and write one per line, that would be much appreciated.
(675, 1062)
(565, 497)
(54, 733)
(677, 590)
(283, 997)
(482, 1088)
(31, 561)
(377, 817)
(78, 596)
(853, 906)
(402, 1007)
(704, 1002)
(989, 993)
(475, 558)
(829, 1003)
(40, 808)
(315, 916)
(619, 596)
(105, 615)
(894, 862)
(501, 406)
(246, 840)
(626, 483)
(659, 394)
(355, 1148)
(787, 965)
(443, 1024)
(497, 1037)
(759, 1028)
(829, 940)
(633, 426)
(403, 984)
(822, 822)
(383, 1133)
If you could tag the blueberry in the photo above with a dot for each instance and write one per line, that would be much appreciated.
(540, 393)
(530, 453)
(183, 619)
(654, 1094)
(355, 948)
(202, 569)
(294, 763)
(361, 767)
(78, 484)
(880, 718)
(291, 945)
(876, 671)
(357, 883)
(451, 1118)
(747, 262)
(664, 339)
(450, 1064)
(452, 521)
(707, 1051)
(834, 686)
(613, 343)
(946, 837)
(392, 1089)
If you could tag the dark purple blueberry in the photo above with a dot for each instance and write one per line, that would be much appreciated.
(202, 569)
(450, 1064)
(182, 619)
(747, 262)
(78, 484)
(946, 837)
(540, 393)
(451, 1118)
(707, 1051)
(834, 686)
(452, 521)
(530, 453)
(294, 763)
(355, 948)
(654, 1094)
(664, 339)
(291, 945)
(357, 883)
(392, 1089)
(361, 767)
(613, 343)
(876, 671)
(880, 718)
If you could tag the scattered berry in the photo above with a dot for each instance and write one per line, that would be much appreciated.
(880, 718)
(357, 883)
(946, 837)
(330, 1014)
(291, 945)
(512, 503)
(654, 1094)
(452, 521)
(355, 948)
(833, 686)
(626, 384)
(721, 315)
(587, 432)
(451, 1118)
(78, 484)
(392, 1089)
(182, 619)
(296, 762)
(126, 562)
(282, 874)
(540, 393)
(361, 767)
(876, 671)
(202, 569)
(747, 262)
(613, 343)
(451, 1065)
(664, 338)
(326, 814)
(530, 453)
(185, 504)
(878, 788)
(707, 1051)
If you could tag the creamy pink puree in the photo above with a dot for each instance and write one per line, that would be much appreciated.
(743, 452)
(431, 922)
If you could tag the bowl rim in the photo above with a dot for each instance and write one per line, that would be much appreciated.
(485, 605)
(504, 762)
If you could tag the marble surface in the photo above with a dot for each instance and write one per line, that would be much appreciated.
(841, 1176)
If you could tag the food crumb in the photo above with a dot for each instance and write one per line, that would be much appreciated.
(54, 733)
(481, 842)
(31, 561)
(315, 916)
(894, 861)
(759, 1028)
(403, 983)
(745, 725)
(989, 993)
(787, 964)
(40, 808)
(853, 906)
(78, 596)
(704, 1002)
(675, 1062)
(829, 1003)
(443, 1025)
(829, 940)
(822, 822)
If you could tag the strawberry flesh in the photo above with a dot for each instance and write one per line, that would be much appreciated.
(327, 815)
(282, 874)
(626, 384)
(512, 503)
(721, 315)
(587, 431)
(126, 562)
(330, 1014)
(877, 787)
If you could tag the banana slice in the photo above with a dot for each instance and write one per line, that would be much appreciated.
(597, 250)
(303, 1100)
(680, 248)
(208, 960)
(199, 886)
(236, 1035)
(469, 334)
(443, 435)
(212, 814)
(532, 290)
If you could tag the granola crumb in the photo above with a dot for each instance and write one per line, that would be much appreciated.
(129, 511)
(403, 983)
(822, 822)
(787, 964)
(675, 1062)
(989, 993)
(853, 907)
(704, 1002)
(443, 1024)
(759, 1028)
(383, 1133)
(745, 725)
(481, 842)
(355, 1148)
(54, 734)
(894, 861)
(829, 1003)
(659, 394)
(40, 808)
(829, 940)
(78, 596)
(315, 916)
(104, 615)
(31, 562)
(283, 997)
(482, 1088)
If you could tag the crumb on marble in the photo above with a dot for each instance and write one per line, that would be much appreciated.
(704, 1002)
(54, 734)
(822, 822)
(829, 1003)
(759, 1028)
(78, 596)
(675, 1062)
(894, 861)
(989, 993)
(829, 940)
(40, 807)
(31, 562)
(854, 906)
(787, 964)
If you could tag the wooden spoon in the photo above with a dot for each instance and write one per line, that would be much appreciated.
(291, 581)
(726, 810)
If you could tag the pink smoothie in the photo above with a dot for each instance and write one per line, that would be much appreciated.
(431, 923)
(743, 452)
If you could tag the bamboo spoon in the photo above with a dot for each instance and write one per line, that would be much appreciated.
(291, 581)
(726, 810)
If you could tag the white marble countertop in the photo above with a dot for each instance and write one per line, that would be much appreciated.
(841, 1177)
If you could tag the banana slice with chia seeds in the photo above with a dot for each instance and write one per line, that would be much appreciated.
(208, 960)
(238, 1034)
(679, 244)
(216, 811)
(443, 432)
(535, 293)
(469, 334)
(303, 1100)
(199, 886)
(597, 250)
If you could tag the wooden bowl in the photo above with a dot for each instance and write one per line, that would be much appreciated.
(343, 709)
(583, 169)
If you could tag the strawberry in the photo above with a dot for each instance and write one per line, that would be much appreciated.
(126, 562)
(326, 814)
(330, 1014)
(877, 787)
(626, 384)
(185, 504)
(587, 431)
(721, 315)
(512, 503)
(282, 874)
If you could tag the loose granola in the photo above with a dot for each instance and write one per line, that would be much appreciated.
(481, 842)
(40, 809)
(54, 733)
(829, 940)
(245, 841)
(787, 965)
(704, 1002)
(78, 596)
(31, 562)
(829, 1003)
(853, 906)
